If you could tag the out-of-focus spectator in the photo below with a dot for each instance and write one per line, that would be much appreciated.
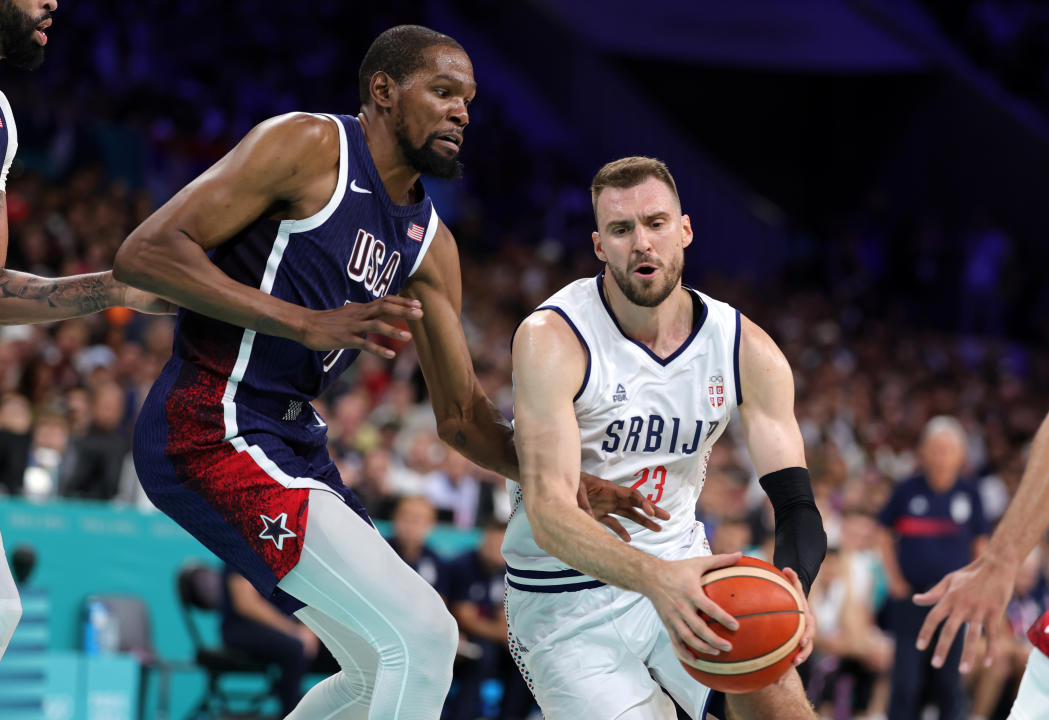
(98, 457)
(16, 425)
(418, 462)
(255, 625)
(933, 524)
(475, 595)
(733, 535)
(413, 521)
(350, 431)
(455, 490)
(853, 655)
(373, 485)
(47, 457)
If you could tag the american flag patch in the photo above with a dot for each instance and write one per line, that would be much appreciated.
(415, 232)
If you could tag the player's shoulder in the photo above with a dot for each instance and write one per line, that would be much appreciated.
(544, 324)
(758, 349)
(297, 138)
(549, 343)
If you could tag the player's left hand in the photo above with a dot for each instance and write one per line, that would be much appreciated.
(810, 620)
(145, 302)
(603, 499)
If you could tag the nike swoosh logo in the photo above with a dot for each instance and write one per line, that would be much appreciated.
(357, 188)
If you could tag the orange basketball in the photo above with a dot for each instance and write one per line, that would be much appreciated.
(771, 623)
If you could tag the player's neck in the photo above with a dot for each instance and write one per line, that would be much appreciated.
(663, 328)
(398, 178)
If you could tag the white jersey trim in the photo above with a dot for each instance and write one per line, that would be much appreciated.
(431, 230)
(315, 221)
(582, 340)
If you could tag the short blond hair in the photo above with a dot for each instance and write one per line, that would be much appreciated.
(628, 172)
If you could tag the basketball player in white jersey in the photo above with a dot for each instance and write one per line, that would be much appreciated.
(976, 595)
(633, 377)
(27, 298)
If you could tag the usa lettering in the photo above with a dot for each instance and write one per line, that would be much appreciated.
(652, 433)
(369, 266)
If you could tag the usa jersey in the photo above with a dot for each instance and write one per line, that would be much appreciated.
(644, 421)
(358, 248)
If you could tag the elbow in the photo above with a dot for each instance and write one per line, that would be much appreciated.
(540, 522)
(450, 429)
(457, 419)
(132, 266)
(127, 264)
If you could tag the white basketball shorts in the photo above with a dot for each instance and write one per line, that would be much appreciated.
(596, 653)
(1032, 699)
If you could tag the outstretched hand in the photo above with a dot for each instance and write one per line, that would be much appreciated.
(603, 499)
(977, 594)
(348, 326)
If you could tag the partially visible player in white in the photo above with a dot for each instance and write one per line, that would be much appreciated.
(633, 377)
(27, 298)
(977, 594)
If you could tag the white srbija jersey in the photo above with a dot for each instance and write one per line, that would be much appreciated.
(644, 422)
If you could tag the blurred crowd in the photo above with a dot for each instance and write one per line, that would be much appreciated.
(873, 358)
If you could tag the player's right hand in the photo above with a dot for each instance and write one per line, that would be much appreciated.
(347, 326)
(975, 596)
(676, 591)
(601, 499)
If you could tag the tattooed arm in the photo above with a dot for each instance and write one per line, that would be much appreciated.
(26, 298)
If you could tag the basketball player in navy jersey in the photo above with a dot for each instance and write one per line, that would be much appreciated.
(284, 256)
(27, 298)
(976, 595)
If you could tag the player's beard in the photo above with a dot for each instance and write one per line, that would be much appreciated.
(649, 293)
(17, 43)
(424, 158)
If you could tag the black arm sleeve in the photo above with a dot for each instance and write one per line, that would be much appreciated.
(801, 543)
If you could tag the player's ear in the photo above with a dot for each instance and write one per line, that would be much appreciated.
(598, 249)
(382, 90)
(686, 231)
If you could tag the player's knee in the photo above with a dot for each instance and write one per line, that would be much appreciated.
(429, 617)
(439, 631)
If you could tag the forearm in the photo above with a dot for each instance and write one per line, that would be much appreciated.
(1026, 518)
(175, 267)
(571, 535)
(482, 434)
(801, 543)
(26, 298)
